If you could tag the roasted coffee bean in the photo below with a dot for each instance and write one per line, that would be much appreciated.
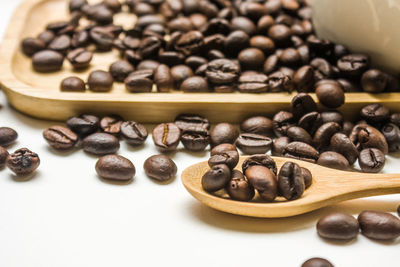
(100, 144)
(290, 181)
(216, 178)
(166, 137)
(395, 119)
(375, 113)
(134, 133)
(251, 144)
(338, 226)
(296, 133)
(163, 78)
(195, 84)
(253, 82)
(349, 86)
(190, 43)
(302, 104)
(148, 64)
(290, 57)
(102, 37)
(224, 154)
(317, 262)
(279, 81)
(194, 62)
(301, 151)
(222, 71)
(47, 61)
(278, 146)
(322, 69)
(333, 160)
(304, 79)
(80, 39)
(257, 125)
(73, 84)
(160, 168)
(180, 73)
(113, 5)
(23, 161)
(120, 70)
(347, 127)
(271, 64)
(307, 176)
(332, 116)
(264, 23)
(3, 156)
(235, 42)
(365, 136)
(323, 135)
(111, 124)
(30, 46)
(139, 81)
(280, 34)
(192, 122)
(353, 65)
(83, 125)
(239, 187)
(100, 81)
(115, 167)
(330, 95)
(341, 144)
(310, 122)
(282, 121)
(223, 133)
(263, 43)
(262, 160)
(195, 140)
(76, 5)
(251, 59)
(60, 138)
(392, 136)
(371, 160)
(60, 43)
(379, 225)
(264, 181)
(46, 37)
(374, 81)
(7, 136)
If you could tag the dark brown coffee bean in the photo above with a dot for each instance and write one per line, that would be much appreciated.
(349, 86)
(341, 144)
(60, 138)
(196, 140)
(7, 136)
(257, 125)
(317, 262)
(3, 156)
(347, 127)
(302, 104)
(374, 81)
(333, 160)
(379, 225)
(23, 161)
(290, 181)
(280, 82)
(111, 124)
(166, 137)
(251, 59)
(76, 5)
(395, 119)
(264, 181)
(46, 37)
(163, 79)
(322, 68)
(149, 47)
(264, 23)
(301, 151)
(239, 187)
(100, 81)
(180, 73)
(30, 46)
(222, 71)
(194, 62)
(304, 79)
(253, 82)
(323, 135)
(195, 84)
(332, 116)
(47, 61)
(80, 39)
(280, 34)
(392, 136)
(224, 133)
(262, 160)
(190, 43)
(338, 226)
(353, 65)
(100, 144)
(73, 84)
(371, 160)
(139, 81)
(310, 122)
(271, 64)
(102, 37)
(115, 167)
(365, 136)
(192, 122)
(235, 42)
(375, 113)
(307, 176)
(114, 5)
(224, 154)
(216, 178)
(134, 133)
(330, 95)
(278, 146)
(251, 144)
(83, 125)
(120, 70)
(282, 121)
(299, 134)
(160, 168)
(60, 43)
(263, 43)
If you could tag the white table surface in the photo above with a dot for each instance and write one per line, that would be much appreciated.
(66, 216)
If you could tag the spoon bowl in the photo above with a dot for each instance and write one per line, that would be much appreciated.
(329, 186)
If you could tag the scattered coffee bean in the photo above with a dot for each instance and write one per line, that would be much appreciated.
(139, 81)
(224, 133)
(194, 84)
(73, 84)
(192, 122)
(371, 160)
(115, 167)
(317, 262)
(166, 137)
(302, 104)
(7, 136)
(100, 144)
(83, 125)
(120, 70)
(23, 161)
(323, 135)
(160, 168)
(338, 226)
(257, 125)
(281, 122)
(299, 134)
(3, 156)
(195, 140)
(379, 225)
(163, 78)
(111, 124)
(216, 178)
(30, 46)
(100, 81)
(311, 122)
(134, 133)
(251, 144)
(224, 154)
(60, 138)
(47, 61)
(291, 181)
(80, 58)
(264, 181)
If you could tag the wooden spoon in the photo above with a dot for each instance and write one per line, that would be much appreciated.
(329, 186)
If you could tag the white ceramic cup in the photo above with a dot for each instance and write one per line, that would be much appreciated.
(365, 26)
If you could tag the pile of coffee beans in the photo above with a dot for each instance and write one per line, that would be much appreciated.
(373, 224)
(22, 162)
(203, 46)
(259, 174)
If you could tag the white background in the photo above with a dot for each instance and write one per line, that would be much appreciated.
(67, 216)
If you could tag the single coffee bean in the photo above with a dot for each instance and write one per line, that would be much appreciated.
(341, 144)
(280, 34)
(304, 79)
(120, 70)
(111, 124)
(379, 225)
(330, 95)
(195, 140)
(80, 58)
(3, 156)
(375, 113)
(160, 168)
(395, 119)
(190, 43)
(46, 37)
(392, 136)
(251, 144)
(301, 151)
(371, 160)
(307, 176)
(323, 135)
(83, 125)
(311, 122)
(347, 127)
(374, 81)
(338, 226)
(333, 160)
(224, 154)
(239, 188)
(264, 181)
(30, 46)
(257, 125)
(195, 84)
(100, 81)
(192, 122)
(47, 61)
(353, 65)
(166, 137)
(23, 161)
(299, 134)
(134, 133)
(251, 59)
(102, 38)
(253, 82)
(216, 178)
(163, 78)
(180, 73)
(60, 138)
(148, 64)
(280, 82)
(115, 167)
(73, 84)
(100, 144)
(224, 133)
(193, 62)
(317, 262)
(7, 136)
(139, 81)
(222, 71)
(60, 43)
(271, 64)
(291, 181)
(80, 39)
(349, 86)
(332, 116)
(278, 146)
(282, 121)
(243, 24)
(260, 160)
(365, 136)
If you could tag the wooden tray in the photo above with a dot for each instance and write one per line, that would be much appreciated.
(38, 94)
